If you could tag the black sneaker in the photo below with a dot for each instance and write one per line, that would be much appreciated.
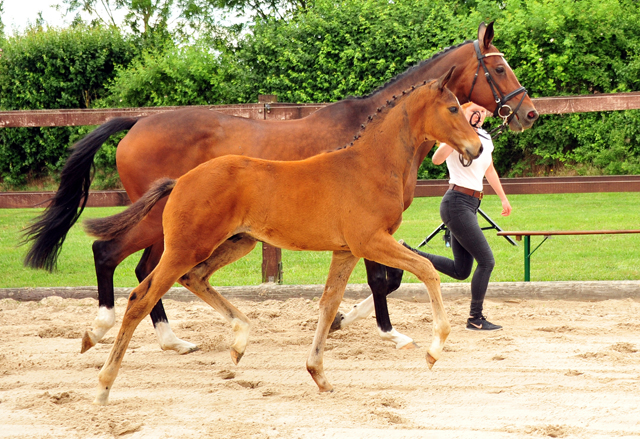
(481, 324)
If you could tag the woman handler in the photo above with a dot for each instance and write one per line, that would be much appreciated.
(458, 211)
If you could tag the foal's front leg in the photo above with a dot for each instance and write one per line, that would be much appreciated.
(342, 264)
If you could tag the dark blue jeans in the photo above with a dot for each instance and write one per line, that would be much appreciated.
(459, 213)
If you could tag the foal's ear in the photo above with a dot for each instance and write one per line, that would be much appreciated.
(485, 34)
(442, 82)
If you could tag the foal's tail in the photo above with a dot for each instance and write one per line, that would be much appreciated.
(49, 230)
(113, 226)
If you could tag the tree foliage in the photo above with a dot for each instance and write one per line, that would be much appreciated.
(324, 51)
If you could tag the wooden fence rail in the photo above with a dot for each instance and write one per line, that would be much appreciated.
(266, 109)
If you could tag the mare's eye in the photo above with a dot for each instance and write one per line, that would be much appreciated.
(500, 69)
(453, 110)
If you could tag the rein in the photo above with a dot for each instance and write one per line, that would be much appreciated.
(500, 99)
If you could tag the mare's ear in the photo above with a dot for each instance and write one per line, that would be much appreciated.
(442, 82)
(485, 34)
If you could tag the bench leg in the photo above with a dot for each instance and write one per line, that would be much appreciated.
(527, 258)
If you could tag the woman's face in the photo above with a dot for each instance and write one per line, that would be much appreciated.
(475, 114)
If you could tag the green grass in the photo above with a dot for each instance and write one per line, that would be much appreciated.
(562, 258)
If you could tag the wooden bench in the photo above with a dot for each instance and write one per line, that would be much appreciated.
(527, 241)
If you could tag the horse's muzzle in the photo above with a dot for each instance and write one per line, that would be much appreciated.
(523, 119)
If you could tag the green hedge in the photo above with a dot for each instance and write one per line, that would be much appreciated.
(51, 69)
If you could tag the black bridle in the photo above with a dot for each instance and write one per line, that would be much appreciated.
(500, 99)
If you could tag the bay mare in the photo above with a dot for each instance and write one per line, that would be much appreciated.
(172, 143)
(348, 201)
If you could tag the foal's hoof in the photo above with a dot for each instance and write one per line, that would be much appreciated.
(430, 361)
(236, 356)
(88, 341)
(337, 322)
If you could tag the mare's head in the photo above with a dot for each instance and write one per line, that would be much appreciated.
(442, 119)
(496, 87)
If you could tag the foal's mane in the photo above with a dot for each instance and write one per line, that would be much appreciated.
(409, 71)
(381, 113)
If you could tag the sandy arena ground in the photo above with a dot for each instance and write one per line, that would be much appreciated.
(559, 369)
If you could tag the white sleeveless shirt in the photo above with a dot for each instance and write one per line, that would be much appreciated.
(471, 176)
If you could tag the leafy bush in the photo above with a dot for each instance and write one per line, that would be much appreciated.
(563, 48)
(348, 47)
(333, 49)
(177, 76)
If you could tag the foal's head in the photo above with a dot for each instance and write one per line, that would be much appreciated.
(444, 121)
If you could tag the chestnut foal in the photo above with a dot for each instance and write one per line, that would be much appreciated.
(348, 201)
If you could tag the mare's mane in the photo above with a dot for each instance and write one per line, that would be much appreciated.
(409, 71)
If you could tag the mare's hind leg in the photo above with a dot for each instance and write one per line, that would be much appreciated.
(342, 264)
(141, 301)
(196, 280)
(107, 256)
(166, 336)
(383, 281)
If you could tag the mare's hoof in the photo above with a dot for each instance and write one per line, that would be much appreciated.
(337, 322)
(412, 345)
(184, 348)
(236, 356)
(188, 350)
(430, 361)
(88, 341)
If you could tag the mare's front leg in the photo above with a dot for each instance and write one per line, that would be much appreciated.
(342, 264)
(384, 249)
(197, 281)
(383, 281)
(166, 337)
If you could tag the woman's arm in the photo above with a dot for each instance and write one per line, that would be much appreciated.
(441, 154)
(494, 181)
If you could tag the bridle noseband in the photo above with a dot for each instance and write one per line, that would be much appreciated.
(500, 99)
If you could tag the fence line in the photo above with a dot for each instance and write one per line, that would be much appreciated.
(283, 111)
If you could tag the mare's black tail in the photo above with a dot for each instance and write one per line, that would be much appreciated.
(49, 230)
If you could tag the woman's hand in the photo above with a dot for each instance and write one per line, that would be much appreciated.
(506, 207)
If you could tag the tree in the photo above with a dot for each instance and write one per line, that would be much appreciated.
(157, 19)
(1, 23)
(265, 8)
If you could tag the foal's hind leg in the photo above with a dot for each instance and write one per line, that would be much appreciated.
(342, 264)
(141, 300)
(383, 281)
(166, 337)
(196, 280)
